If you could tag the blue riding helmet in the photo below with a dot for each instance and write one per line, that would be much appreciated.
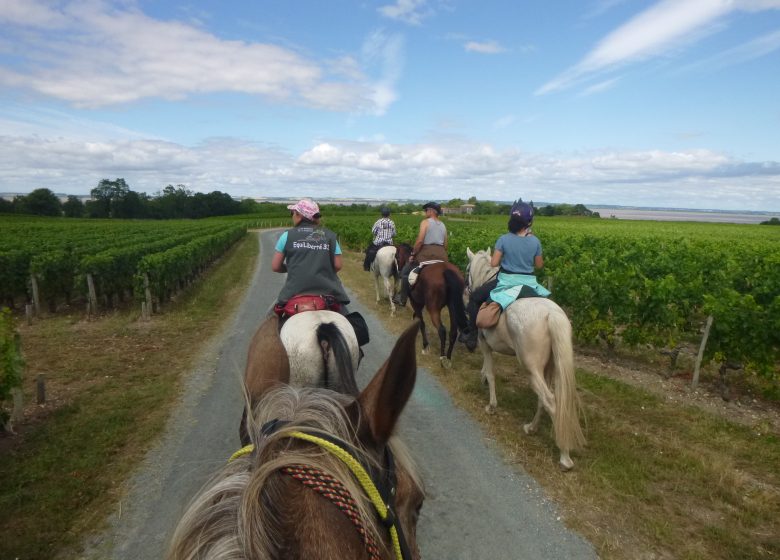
(385, 211)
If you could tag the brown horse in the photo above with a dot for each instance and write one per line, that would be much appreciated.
(437, 285)
(324, 478)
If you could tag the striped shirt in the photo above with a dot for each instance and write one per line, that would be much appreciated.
(384, 231)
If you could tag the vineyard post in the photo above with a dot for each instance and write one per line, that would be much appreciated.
(704, 338)
(40, 384)
(148, 293)
(28, 312)
(92, 293)
(144, 311)
(18, 412)
(36, 294)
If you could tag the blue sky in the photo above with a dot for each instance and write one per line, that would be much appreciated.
(674, 103)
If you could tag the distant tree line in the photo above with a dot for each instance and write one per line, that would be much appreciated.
(115, 199)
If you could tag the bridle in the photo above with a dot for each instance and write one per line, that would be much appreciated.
(379, 484)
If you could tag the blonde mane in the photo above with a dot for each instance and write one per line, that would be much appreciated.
(237, 514)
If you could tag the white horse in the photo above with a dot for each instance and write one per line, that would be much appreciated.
(320, 349)
(385, 268)
(538, 333)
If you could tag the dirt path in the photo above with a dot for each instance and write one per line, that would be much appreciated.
(477, 506)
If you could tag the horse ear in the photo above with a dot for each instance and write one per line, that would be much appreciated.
(488, 251)
(383, 400)
(469, 253)
(267, 363)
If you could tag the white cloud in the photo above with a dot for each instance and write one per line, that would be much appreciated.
(691, 178)
(91, 55)
(659, 29)
(411, 12)
(486, 47)
(385, 53)
(600, 87)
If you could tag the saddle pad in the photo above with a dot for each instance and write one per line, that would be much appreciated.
(416, 271)
(298, 304)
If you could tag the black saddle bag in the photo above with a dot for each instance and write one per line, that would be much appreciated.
(359, 325)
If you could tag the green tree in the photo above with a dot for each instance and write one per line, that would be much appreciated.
(6, 206)
(40, 202)
(73, 207)
(104, 195)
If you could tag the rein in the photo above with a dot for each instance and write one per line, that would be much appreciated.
(380, 490)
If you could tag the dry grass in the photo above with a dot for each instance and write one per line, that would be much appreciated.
(658, 479)
(110, 385)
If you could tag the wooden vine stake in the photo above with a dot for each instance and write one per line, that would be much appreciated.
(36, 294)
(40, 384)
(92, 294)
(699, 358)
(148, 294)
(28, 312)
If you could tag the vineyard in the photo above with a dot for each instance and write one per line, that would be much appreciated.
(104, 261)
(643, 283)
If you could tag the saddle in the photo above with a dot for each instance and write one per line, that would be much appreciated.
(415, 272)
(301, 303)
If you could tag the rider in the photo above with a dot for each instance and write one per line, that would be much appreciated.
(383, 231)
(431, 244)
(310, 255)
(518, 253)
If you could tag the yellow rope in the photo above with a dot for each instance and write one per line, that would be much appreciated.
(246, 450)
(357, 469)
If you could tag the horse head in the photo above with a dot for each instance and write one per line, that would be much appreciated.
(479, 270)
(273, 498)
(403, 254)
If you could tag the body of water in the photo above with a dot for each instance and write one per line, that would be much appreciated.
(685, 215)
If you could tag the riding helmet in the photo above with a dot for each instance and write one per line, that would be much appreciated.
(522, 210)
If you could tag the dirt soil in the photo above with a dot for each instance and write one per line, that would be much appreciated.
(742, 409)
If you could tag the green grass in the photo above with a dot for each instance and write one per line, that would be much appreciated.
(112, 383)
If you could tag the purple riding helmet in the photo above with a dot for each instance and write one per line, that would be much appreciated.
(523, 211)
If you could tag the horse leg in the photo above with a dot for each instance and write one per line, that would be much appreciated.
(487, 374)
(418, 314)
(390, 291)
(376, 285)
(533, 425)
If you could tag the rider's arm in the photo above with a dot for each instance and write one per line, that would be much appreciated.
(277, 263)
(337, 260)
(538, 261)
(495, 260)
(420, 237)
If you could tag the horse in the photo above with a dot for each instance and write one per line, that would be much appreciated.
(538, 333)
(323, 478)
(320, 349)
(437, 285)
(384, 266)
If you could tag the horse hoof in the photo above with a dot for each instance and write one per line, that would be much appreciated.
(424, 351)
(490, 409)
(529, 429)
(566, 467)
(445, 363)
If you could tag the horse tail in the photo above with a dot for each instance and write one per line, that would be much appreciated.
(568, 433)
(331, 339)
(455, 287)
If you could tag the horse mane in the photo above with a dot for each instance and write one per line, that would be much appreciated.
(480, 268)
(236, 515)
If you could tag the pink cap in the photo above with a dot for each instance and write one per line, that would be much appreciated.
(306, 207)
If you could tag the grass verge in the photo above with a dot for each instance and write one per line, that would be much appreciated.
(657, 480)
(111, 383)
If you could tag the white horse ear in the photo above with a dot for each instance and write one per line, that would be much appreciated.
(488, 251)
(469, 254)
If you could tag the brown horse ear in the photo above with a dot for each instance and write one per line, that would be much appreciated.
(267, 363)
(383, 400)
